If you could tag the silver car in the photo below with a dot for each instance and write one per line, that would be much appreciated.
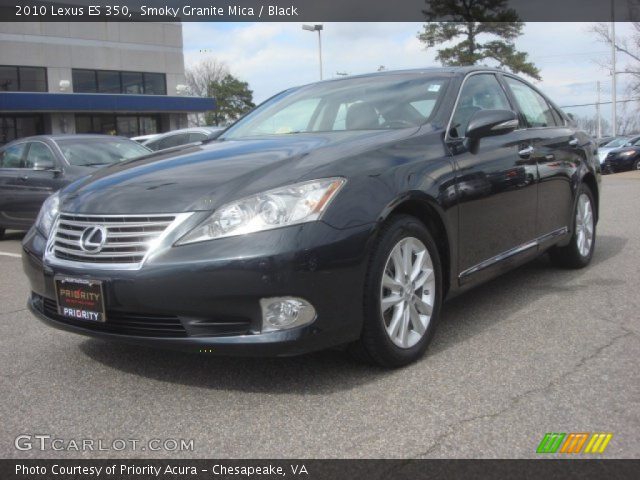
(182, 137)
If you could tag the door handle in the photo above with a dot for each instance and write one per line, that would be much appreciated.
(24, 178)
(526, 152)
(573, 142)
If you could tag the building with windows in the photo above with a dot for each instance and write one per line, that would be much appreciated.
(113, 78)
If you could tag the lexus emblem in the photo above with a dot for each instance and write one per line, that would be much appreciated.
(93, 239)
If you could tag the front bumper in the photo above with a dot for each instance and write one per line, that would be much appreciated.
(618, 164)
(205, 296)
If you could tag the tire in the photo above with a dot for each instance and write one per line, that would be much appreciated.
(1, 233)
(636, 165)
(577, 254)
(401, 237)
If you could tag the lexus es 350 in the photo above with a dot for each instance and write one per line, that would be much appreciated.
(341, 213)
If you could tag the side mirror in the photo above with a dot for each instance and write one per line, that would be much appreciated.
(45, 165)
(489, 123)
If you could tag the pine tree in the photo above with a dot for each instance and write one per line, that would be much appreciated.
(473, 19)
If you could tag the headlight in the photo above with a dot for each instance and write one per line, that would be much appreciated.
(281, 207)
(48, 214)
(627, 154)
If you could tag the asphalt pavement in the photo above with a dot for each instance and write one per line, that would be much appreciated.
(537, 350)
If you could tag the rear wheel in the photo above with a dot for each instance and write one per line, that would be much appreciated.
(403, 293)
(580, 249)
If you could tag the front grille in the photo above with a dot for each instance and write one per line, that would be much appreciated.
(128, 237)
(123, 323)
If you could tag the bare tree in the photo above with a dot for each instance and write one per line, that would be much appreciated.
(629, 47)
(199, 79)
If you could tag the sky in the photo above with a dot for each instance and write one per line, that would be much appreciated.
(274, 56)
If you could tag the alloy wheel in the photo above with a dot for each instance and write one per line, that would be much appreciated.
(584, 225)
(407, 292)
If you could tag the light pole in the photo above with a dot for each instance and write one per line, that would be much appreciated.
(316, 28)
(613, 69)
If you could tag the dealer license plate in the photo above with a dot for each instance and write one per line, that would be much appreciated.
(80, 299)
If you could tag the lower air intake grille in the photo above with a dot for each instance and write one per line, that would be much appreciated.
(123, 323)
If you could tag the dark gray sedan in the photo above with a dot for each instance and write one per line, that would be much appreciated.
(32, 168)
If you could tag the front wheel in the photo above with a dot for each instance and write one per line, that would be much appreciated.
(636, 165)
(403, 293)
(580, 249)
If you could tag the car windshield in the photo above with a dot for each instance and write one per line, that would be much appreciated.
(88, 152)
(369, 103)
(618, 142)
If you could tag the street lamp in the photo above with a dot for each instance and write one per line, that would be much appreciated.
(316, 28)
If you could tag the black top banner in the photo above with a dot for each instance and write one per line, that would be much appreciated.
(316, 10)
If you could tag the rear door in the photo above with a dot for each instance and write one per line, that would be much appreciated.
(12, 186)
(557, 150)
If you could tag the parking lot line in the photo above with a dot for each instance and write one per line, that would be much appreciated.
(9, 254)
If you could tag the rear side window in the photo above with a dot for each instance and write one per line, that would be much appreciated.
(479, 92)
(533, 106)
(11, 157)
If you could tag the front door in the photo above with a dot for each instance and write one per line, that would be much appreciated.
(42, 178)
(496, 187)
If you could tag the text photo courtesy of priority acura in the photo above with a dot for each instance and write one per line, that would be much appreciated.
(337, 214)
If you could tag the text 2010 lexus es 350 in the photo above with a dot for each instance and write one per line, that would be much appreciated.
(338, 213)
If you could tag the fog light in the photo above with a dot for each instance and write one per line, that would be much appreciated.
(285, 312)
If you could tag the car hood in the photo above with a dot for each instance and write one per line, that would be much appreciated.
(619, 150)
(202, 177)
(603, 152)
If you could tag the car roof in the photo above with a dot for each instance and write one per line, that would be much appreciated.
(448, 71)
(205, 129)
(77, 136)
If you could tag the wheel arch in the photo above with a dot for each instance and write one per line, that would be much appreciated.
(427, 210)
(589, 180)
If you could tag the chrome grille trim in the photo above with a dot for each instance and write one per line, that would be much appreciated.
(130, 239)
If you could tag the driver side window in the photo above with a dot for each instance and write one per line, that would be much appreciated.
(479, 92)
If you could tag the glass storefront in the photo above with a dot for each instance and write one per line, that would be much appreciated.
(124, 125)
(18, 126)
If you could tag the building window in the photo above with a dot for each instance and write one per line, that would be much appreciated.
(23, 79)
(18, 126)
(108, 81)
(132, 82)
(124, 125)
(155, 84)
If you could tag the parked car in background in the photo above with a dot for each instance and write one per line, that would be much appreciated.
(332, 214)
(617, 143)
(145, 138)
(32, 168)
(604, 140)
(622, 159)
(182, 137)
